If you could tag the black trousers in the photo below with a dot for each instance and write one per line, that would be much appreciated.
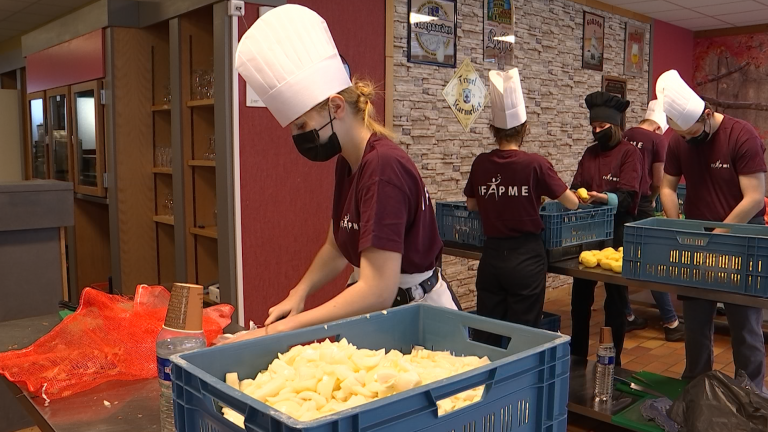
(616, 301)
(511, 282)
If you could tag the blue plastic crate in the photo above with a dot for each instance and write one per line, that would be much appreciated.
(549, 321)
(457, 224)
(526, 385)
(565, 227)
(683, 252)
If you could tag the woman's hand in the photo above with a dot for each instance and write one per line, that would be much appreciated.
(292, 305)
(241, 336)
(597, 197)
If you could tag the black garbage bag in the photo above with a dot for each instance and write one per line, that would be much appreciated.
(718, 403)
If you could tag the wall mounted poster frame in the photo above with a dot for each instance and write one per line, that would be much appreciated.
(499, 33)
(432, 32)
(618, 86)
(593, 42)
(634, 50)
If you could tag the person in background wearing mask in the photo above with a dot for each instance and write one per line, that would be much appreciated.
(611, 170)
(648, 138)
(382, 223)
(506, 186)
(722, 161)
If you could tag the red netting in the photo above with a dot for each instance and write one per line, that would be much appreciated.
(108, 338)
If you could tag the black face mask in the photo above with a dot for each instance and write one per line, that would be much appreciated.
(603, 138)
(308, 143)
(703, 137)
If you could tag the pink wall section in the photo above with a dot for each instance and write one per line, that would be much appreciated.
(672, 49)
(286, 200)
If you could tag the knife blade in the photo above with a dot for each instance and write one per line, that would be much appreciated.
(639, 388)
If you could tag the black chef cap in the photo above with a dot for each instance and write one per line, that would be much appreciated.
(605, 107)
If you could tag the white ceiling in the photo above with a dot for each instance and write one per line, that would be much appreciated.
(20, 16)
(700, 14)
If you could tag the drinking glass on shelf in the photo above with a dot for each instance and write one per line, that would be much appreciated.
(169, 157)
(169, 204)
(159, 157)
(197, 84)
(210, 154)
(167, 94)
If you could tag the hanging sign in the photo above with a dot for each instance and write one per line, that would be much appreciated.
(466, 94)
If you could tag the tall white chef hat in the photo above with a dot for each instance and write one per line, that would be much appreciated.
(680, 103)
(656, 113)
(507, 103)
(290, 60)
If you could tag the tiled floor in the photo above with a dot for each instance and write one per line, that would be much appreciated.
(644, 349)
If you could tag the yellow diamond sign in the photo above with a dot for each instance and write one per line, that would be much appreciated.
(466, 94)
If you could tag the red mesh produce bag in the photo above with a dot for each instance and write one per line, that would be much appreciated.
(108, 338)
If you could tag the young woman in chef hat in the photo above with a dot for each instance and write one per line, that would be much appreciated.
(382, 221)
(611, 170)
(721, 158)
(506, 186)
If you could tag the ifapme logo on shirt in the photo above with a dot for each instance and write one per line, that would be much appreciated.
(347, 225)
(720, 165)
(610, 177)
(495, 189)
(638, 144)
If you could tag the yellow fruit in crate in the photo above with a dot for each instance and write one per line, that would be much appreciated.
(615, 257)
(585, 254)
(607, 264)
(588, 260)
(616, 267)
(621, 250)
(608, 250)
(582, 194)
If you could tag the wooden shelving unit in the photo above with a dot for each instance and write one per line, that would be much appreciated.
(168, 220)
(161, 132)
(198, 129)
(210, 232)
(200, 103)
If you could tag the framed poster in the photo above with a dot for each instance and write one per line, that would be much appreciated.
(498, 31)
(432, 32)
(593, 42)
(634, 50)
(617, 86)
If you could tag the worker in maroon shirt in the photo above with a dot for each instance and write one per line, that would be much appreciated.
(506, 186)
(382, 220)
(722, 161)
(648, 137)
(611, 171)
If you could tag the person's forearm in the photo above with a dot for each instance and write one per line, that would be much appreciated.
(328, 263)
(655, 190)
(746, 210)
(358, 299)
(669, 203)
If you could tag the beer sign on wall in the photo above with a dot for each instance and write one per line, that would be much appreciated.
(498, 31)
(432, 32)
(466, 94)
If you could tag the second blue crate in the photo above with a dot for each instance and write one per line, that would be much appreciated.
(684, 252)
(565, 227)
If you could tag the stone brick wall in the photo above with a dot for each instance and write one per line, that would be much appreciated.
(548, 54)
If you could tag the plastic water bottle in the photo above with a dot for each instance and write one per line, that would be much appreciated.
(182, 332)
(606, 359)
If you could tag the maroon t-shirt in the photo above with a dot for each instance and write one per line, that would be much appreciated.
(712, 169)
(653, 149)
(385, 205)
(508, 186)
(619, 168)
